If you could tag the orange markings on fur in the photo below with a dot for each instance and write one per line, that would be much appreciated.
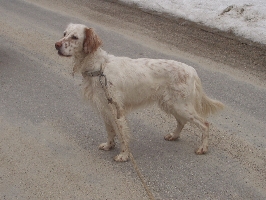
(92, 42)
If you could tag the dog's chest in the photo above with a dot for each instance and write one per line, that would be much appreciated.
(92, 88)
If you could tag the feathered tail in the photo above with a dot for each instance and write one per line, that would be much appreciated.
(205, 105)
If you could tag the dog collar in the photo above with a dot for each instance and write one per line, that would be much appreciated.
(93, 74)
(98, 73)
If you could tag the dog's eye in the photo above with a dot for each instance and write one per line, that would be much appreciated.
(74, 37)
(64, 34)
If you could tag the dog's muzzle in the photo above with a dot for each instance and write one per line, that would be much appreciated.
(58, 46)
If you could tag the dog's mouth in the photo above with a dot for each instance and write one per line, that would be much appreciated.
(60, 54)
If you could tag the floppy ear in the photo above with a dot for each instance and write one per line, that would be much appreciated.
(91, 42)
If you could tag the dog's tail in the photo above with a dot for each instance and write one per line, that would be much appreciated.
(205, 105)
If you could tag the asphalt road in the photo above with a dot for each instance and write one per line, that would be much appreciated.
(49, 136)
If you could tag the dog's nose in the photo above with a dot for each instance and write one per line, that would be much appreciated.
(58, 45)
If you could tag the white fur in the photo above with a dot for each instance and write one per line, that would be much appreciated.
(133, 83)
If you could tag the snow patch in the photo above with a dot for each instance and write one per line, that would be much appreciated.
(245, 18)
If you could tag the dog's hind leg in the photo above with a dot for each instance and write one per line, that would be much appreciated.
(188, 113)
(204, 126)
(176, 134)
(180, 122)
(110, 144)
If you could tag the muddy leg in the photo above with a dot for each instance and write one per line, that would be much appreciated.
(176, 134)
(110, 144)
(188, 113)
(123, 137)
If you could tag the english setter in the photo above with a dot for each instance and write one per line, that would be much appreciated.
(131, 83)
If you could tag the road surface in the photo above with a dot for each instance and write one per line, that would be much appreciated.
(49, 136)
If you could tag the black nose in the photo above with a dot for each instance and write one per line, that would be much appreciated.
(58, 45)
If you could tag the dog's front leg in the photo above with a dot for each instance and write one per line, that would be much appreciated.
(110, 144)
(123, 136)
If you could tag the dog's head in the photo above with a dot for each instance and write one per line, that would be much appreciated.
(78, 39)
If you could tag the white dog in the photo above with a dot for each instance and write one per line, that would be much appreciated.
(128, 83)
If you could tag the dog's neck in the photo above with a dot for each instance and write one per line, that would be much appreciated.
(90, 62)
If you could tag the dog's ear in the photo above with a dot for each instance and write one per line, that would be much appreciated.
(91, 42)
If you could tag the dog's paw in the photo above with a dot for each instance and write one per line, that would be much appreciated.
(107, 146)
(122, 157)
(170, 137)
(201, 150)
